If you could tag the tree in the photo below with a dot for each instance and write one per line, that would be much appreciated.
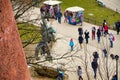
(22, 15)
(104, 72)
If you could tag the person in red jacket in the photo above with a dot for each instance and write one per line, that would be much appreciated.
(106, 29)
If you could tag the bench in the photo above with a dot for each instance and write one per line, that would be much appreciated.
(101, 3)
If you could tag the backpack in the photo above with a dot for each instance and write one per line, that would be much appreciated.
(113, 38)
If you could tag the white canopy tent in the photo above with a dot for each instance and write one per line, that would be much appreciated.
(52, 2)
(75, 9)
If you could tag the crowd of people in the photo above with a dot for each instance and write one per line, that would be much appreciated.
(54, 11)
(101, 31)
(73, 17)
(51, 11)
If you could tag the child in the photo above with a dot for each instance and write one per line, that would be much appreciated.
(71, 44)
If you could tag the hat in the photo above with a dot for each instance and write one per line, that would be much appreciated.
(71, 39)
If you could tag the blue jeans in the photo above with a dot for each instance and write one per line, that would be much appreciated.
(59, 19)
(111, 44)
(95, 71)
(71, 48)
(86, 40)
(98, 39)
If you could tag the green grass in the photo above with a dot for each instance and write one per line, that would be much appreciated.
(91, 6)
(29, 33)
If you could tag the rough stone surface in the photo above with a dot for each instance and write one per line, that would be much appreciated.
(12, 59)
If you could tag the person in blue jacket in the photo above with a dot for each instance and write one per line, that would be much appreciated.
(60, 74)
(71, 44)
(59, 15)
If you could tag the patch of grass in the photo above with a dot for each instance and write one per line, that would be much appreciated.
(91, 7)
(29, 33)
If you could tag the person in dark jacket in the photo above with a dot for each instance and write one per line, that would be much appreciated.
(117, 25)
(86, 36)
(104, 22)
(105, 52)
(80, 30)
(98, 35)
(80, 39)
(59, 15)
(95, 55)
(114, 77)
(94, 66)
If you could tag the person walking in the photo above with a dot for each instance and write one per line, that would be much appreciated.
(71, 44)
(101, 30)
(111, 39)
(79, 72)
(105, 52)
(95, 55)
(106, 29)
(81, 17)
(93, 33)
(114, 77)
(86, 36)
(65, 16)
(94, 67)
(117, 25)
(98, 35)
(104, 22)
(80, 30)
(60, 74)
(80, 39)
(59, 15)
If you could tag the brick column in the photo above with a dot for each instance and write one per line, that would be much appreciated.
(12, 58)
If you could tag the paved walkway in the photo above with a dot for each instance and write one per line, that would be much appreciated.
(82, 57)
(112, 4)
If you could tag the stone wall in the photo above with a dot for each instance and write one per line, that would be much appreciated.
(12, 59)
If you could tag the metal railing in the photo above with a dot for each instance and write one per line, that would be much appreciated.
(99, 23)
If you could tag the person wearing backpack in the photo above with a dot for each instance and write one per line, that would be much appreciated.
(114, 77)
(60, 75)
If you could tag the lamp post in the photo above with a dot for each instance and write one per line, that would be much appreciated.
(116, 57)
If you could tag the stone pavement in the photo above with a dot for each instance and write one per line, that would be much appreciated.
(82, 57)
(112, 4)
